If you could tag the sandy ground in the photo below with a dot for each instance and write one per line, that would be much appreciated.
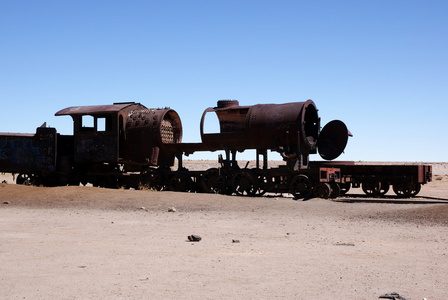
(94, 243)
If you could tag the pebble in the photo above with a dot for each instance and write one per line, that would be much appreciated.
(194, 238)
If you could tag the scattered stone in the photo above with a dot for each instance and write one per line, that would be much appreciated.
(235, 241)
(344, 244)
(143, 208)
(393, 296)
(172, 209)
(194, 238)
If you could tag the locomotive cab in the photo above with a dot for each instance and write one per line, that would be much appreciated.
(96, 131)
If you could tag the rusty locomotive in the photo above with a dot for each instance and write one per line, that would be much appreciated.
(129, 145)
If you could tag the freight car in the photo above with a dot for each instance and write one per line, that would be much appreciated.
(30, 155)
(376, 179)
(129, 145)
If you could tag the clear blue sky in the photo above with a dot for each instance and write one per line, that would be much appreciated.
(380, 66)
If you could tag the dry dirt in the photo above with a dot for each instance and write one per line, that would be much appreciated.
(94, 243)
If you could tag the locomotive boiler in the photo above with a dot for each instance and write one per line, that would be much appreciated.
(292, 129)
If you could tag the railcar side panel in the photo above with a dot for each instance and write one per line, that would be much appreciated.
(28, 153)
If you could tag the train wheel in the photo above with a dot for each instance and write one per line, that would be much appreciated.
(345, 187)
(373, 188)
(180, 183)
(406, 189)
(262, 184)
(224, 186)
(403, 189)
(384, 188)
(27, 179)
(301, 187)
(209, 180)
(244, 183)
(416, 187)
(335, 190)
(322, 190)
(150, 179)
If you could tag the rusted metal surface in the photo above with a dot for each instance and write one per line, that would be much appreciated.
(10, 134)
(290, 125)
(28, 152)
(333, 139)
(377, 179)
(94, 109)
(292, 129)
(147, 131)
(424, 173)
(129, 145)
(98, 141)
(164, 124)
(132, 134)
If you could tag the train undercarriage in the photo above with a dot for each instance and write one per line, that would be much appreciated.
(321, 179)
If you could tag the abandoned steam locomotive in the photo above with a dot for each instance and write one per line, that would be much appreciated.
(129, 145)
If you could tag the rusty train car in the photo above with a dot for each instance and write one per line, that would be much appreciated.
(129, 145)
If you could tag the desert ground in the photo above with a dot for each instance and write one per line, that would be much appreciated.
(95, 243)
